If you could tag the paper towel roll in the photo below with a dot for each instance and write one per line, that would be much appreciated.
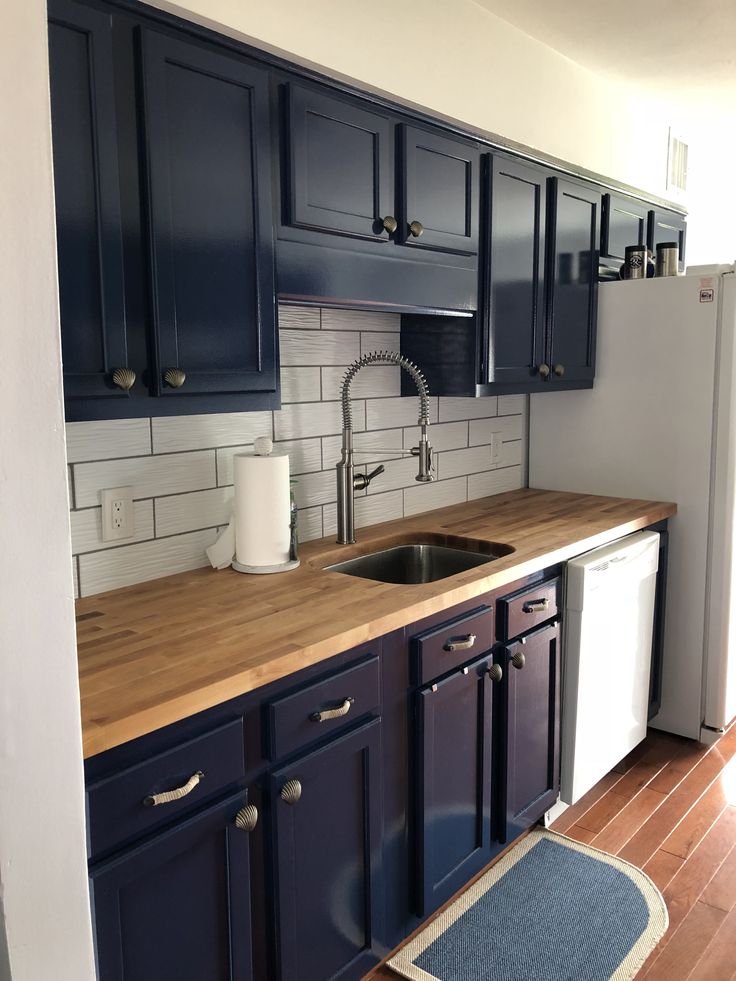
(261, 508)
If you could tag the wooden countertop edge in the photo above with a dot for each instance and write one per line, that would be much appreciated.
(99, 736)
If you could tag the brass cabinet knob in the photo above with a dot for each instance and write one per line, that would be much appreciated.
(495, 672)
(247, 818)
(124, 378)
(543, 370)
(175, 377)
(291, 792)
(559, 370)
(390, 224)
(416, 228)
(518, 660)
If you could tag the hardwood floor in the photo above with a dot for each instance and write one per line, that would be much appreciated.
(670, 809)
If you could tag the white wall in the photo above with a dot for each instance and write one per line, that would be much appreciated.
(44, 914)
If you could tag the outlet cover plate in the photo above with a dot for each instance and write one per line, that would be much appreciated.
(496, 447)
(118, 521)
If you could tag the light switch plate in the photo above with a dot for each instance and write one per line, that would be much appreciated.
(496, 447)
(118, 520)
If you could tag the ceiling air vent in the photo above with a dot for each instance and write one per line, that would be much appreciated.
(676, 164)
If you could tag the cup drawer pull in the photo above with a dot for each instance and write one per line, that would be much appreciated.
(153, 800)
(536, 606)
(463, 644)
(336, 713)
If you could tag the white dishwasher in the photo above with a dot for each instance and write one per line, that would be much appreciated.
(609, 617)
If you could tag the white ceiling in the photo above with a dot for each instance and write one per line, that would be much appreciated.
(684, 48)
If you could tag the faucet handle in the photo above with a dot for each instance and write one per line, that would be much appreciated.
(362, 480)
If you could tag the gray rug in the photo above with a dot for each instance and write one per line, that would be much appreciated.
(551, 910)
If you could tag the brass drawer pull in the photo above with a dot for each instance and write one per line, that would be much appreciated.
(153, 800)
(495, 672)
(460, 645)
(416, 228)
(247, 818)
(518, 660)
(337, 713)
(124, 378)
(291, 792)
(390, 224)
(536, 606)
(175, 377)
(543, 370)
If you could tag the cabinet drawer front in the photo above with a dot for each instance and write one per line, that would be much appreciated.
(323, 708)
(524, 610)
(120, 807)
(452, 643)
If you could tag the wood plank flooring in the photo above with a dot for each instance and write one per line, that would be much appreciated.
(670, 809)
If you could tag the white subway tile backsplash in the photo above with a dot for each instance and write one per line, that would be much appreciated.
(87, 528)
(181, 468)
(172, 434)
(100, 571)
(302, 384)
(107, 440)
(439, 494)
(371, 382)
(387, 413)
(302, 318)
(190, 512)
(150, 476)
(301, 347)
(462, 408)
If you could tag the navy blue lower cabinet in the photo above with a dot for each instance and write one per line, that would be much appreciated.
(326, 825)
(453, 766)
(177, 906)
(529, 699)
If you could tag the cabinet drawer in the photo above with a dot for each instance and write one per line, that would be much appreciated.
(123, 806)
(323, 708)
(531, 606)
(452, 643)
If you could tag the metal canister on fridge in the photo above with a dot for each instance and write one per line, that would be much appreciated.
(668, 255)
(635, 262)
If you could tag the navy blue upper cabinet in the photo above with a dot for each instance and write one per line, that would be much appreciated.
(440, 191)
(515, 271)
(453, 766)
(88, 222)
(625, 222)
(574, 243)
(327, 820)
(178, 905)
(339, 166)
(667, 226)
(207, 140)
(530, 702)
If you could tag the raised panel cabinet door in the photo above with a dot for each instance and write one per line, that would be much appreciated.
(625, 222)
(178, 905)
(206, 134)
(327, 818)
(574, 227)
(667, 226)
(339, 166)
(453, 804)
(440, 184)
(87, 191)
(530, 696)
(516, 273)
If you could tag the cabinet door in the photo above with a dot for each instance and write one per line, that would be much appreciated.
(574, 231)
(88, 226)
(340, 170)
(441, 183)
(327, 839)
(516, 273)
(530, 695)
(177, 906)
(453, 810)
(625, 222)
(209, 208)
(667, 226)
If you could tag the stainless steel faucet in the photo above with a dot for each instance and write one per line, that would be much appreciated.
(347, 480)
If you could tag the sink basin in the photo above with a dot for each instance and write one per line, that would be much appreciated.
(419, 562)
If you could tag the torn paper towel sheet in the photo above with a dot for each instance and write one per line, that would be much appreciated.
(221, 554)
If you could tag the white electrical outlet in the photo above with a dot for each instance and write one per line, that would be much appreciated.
(118, 521)
(496, 447)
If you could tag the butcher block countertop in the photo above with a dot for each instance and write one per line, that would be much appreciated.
(160, 651)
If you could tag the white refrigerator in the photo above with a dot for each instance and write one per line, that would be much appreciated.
(660, 424)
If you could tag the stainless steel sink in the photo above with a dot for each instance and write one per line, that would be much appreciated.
(417, 562)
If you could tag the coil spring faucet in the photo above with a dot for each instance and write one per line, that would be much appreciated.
(347, 480)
